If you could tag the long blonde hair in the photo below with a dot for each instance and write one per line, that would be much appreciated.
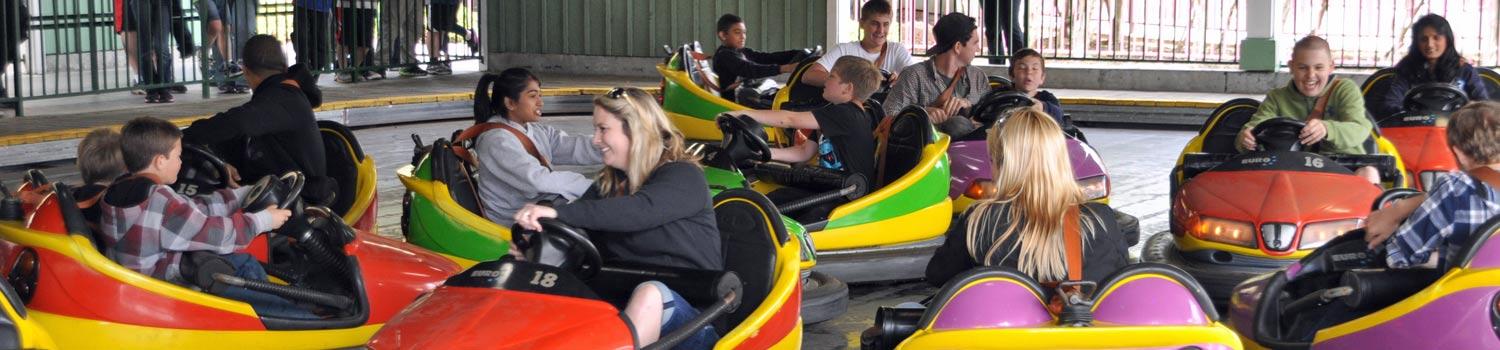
(648, 129)
(1034, 190)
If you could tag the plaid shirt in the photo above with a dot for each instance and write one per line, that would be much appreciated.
(151, 237)
(1453, 210)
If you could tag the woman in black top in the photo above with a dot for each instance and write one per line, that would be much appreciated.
(1021, 226)
(1431, 58)
(650, 205)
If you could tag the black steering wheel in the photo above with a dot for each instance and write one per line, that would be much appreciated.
(202, 171)
(1434, 98)
(744, 138)
(559, 244)
(282, 192)
(1279, 134)
(1390, 196)
(992, 105)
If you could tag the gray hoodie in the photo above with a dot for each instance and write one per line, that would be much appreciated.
(509, 177)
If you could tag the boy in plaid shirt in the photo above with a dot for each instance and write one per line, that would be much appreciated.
(149, 228)
(1420, 231)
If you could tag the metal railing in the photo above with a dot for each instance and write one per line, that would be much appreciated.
(1363, 33)
(82, 47)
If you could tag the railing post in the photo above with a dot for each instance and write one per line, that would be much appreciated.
(838, 22)
(1258, 50)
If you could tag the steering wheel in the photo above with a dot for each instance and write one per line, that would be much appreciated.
(558, 244)
(1279, 134)
(744, 138)
(1343, 253)
(989, 109)
(282, 191)
(1437, 98)
(1391, 196)
(201, 171)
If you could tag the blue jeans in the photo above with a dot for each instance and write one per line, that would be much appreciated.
(264, 304)
(675, 313)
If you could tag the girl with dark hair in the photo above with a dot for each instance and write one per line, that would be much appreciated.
(1431, 58)
(515, 153)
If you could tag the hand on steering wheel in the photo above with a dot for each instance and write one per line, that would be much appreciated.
(1279, 134)
(744, 134)
(556, 237)
(269, 191)
(1313, 133)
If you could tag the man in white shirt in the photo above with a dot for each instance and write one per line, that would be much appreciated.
(875, 22)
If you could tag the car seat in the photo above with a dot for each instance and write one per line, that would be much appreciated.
(899, 143)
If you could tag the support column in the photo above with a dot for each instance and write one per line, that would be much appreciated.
(1258, 50)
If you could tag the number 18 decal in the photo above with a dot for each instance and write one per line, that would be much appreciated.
(544, 279)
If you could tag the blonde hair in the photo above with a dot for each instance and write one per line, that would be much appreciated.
(859, 72)
(1034, 190)
(647, 127)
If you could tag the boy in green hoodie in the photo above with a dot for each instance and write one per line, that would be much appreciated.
(1343, 128)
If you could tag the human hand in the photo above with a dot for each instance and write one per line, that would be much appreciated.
(938, 115)
(1314, 132)
(788, 68)
(278, 216)
(1247, 139)
(529, 217)
(234, 176)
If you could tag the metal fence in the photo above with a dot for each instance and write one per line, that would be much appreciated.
(1363, 33)
(80, 47)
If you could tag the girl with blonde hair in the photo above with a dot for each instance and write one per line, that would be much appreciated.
(1021, 224)
(650, 205)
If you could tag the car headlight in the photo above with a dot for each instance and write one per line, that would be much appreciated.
(1429, 179)
(1317, 233)
(1095, 187)
(1225, 231)
(980, 189)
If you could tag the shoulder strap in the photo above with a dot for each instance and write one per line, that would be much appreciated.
(882, 139)
(952, 86)
(474, 131)
(880, 60)
(1322, 105)
(1073, 244)
(1486, 175)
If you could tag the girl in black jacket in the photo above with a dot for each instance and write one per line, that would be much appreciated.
(1431, 58)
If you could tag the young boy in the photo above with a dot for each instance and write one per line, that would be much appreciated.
(151, 229)
(1028, 70)
(1430, 226)
(734, 63)
(847, 143)
(99, 159)
(875, 23)
(1341, 128)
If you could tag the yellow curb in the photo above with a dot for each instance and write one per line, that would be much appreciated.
(1137, 103)
(75, 133)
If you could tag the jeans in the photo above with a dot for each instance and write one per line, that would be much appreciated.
(676, 312)
(246, 267)
(312, 30)
(154, 21)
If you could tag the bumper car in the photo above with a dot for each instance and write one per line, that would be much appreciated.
(78, 298)
(1419, 131)
(1342, 296)
(563, 297)
(441, 212)
(1142, 306)
(690, 99)
(972, 177)
(1238, 215)
(887, 229)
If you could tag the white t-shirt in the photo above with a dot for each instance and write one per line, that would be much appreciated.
(896, 56)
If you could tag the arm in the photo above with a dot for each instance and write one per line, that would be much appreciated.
(1426, 229)
(671, 193)
(503, 159)
(1270, 108)
(735, 64)
(795, 154)
(1350, 128)
(952, 258)
(783, 119)
(1390, 103)
(221, 202)
(246, 120)
(1382, 223)
(817, 75)
(778, 58)
(1475, 86)
(572, 150)
(186, 225)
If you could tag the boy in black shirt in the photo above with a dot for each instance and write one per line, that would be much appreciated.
(733, 61)
(847, 142)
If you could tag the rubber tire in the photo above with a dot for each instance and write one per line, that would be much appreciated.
(1130, 226)
(1219, 280)
(823, 298)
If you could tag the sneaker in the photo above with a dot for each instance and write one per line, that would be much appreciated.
(165, 96)
(181, 89)
(412, 71)
(152, 97)
(439, 69)
(233, 71)
(373, 74)
(343, 78)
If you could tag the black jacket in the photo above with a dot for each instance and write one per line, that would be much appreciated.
(1104, 249)
(734, 64)
(668, 222)
(273, 133)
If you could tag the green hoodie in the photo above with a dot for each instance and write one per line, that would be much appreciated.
(1345, 119)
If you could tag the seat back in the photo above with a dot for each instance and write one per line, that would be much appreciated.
(751, 230)
(988, 297)
(343, 155)
(699, 67)
(1491, 82)
(1374, 90)
(457, 174)
(1223, 126)
(1149, 294)
(900, 140)
(74, 222)
(1480, 251)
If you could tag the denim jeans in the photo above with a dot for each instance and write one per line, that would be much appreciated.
(676, 312)
(246, 267)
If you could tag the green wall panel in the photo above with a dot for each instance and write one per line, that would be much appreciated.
(638, 28)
